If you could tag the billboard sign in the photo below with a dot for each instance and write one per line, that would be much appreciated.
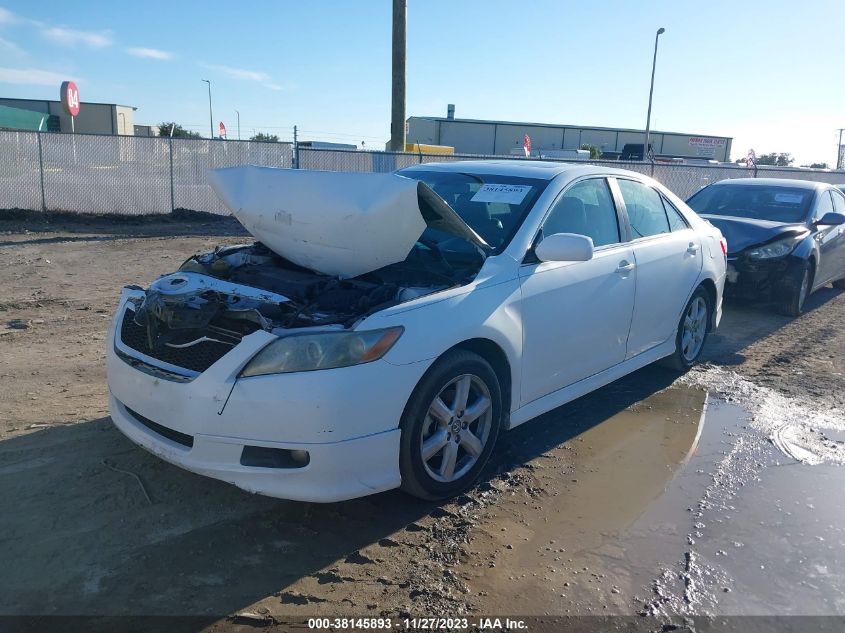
(706, 145)
(69, 95)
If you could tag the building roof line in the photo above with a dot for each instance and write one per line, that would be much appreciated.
(120, 105)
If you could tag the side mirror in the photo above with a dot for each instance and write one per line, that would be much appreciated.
(831, 219)
(565, 247)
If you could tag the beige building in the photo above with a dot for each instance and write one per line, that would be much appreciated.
(502, 138)
(93, 118)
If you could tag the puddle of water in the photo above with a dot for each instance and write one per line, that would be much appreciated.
(575, 555)
(676, 505)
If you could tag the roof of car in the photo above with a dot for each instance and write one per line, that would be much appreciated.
(539, 169)
(774, 182)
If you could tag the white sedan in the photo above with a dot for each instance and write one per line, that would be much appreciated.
(385, 328)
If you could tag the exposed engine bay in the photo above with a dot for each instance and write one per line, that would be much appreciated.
(226, 294)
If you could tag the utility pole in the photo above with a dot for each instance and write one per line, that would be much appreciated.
(295, 148)
(839, 150)
(210, 116)
(397, 118)
(660, 31)
(239, 124)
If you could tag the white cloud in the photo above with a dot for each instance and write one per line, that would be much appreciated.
(30, 76)
(11, 48)
(7, 17)
(70, 37)
(247, 75)
(150, 53)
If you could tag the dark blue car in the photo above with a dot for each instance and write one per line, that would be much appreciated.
(786, 238)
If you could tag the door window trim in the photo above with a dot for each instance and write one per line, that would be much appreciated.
(531, 259)
(639, 240)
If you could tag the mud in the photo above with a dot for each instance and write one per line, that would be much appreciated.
(627, 501)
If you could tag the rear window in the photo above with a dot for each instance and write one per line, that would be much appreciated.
(493, 206)
(757, 202)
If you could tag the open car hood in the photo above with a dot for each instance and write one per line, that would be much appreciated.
(337, 223)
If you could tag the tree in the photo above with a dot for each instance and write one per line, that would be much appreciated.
(178, 130)
(261, 136)
(817, 166)
(776, 159)
(595, 152)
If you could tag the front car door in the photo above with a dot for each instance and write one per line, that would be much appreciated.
(667, 254)
(828, 239)
(576, 315)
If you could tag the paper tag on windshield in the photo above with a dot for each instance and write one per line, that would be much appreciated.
(789, 198)
(508, 194)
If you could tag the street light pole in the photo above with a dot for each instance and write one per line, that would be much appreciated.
(660, 31)
(839, 151)
(239, 124)
(210, 115)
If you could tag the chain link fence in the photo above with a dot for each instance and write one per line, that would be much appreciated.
(135, 175)
(128, 175)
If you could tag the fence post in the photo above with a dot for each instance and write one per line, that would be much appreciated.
(41, 170)
(172, 194)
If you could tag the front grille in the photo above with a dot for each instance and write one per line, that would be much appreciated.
(175, 436)
(198, 357)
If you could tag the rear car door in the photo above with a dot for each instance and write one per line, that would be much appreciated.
(668, 258)
(576, 315)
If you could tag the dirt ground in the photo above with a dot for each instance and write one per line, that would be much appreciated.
(93, 525)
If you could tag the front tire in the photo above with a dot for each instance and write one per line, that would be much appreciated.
(449, 426)
(796, 290)
(692, 331)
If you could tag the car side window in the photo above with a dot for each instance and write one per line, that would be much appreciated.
(676, 220)
(586, 208)
(838, 201)
(823, 205)
(645, 209)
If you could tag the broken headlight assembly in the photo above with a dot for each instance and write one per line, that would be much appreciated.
(774, 250)
(322, 350)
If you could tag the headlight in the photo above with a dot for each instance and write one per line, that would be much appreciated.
(322, 350)
(775, 249)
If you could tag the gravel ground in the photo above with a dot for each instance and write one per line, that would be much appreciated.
(101, 527)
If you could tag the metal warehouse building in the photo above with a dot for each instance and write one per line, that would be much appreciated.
(473, 136)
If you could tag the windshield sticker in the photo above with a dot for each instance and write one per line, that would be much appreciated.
(789, 198)
(508, 194)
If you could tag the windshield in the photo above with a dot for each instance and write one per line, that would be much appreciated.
(493, 206)
(757, 202)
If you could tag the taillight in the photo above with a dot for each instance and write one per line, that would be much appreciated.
(724, 244)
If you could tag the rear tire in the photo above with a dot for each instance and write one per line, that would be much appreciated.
(449, 426)
(796, 289)
(692, 332)
(839, 283)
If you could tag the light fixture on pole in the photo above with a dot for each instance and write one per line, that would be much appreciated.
(660, 32)
(210, 115)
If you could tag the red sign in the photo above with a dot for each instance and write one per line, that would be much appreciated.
(69, 95)
(222, 130)
(526, 145)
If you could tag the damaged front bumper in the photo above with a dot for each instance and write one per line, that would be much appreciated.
(314, 436)
(756, 279)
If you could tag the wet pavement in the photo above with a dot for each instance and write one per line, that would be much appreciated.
(679, 506)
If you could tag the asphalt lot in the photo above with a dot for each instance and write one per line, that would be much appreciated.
(652, 496)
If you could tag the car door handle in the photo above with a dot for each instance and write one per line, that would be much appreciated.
(624, 267)
(692, 249)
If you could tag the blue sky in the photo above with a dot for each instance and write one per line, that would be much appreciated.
(768, 74)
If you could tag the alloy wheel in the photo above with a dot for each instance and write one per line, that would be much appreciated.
(694, 329)
(456, 428)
